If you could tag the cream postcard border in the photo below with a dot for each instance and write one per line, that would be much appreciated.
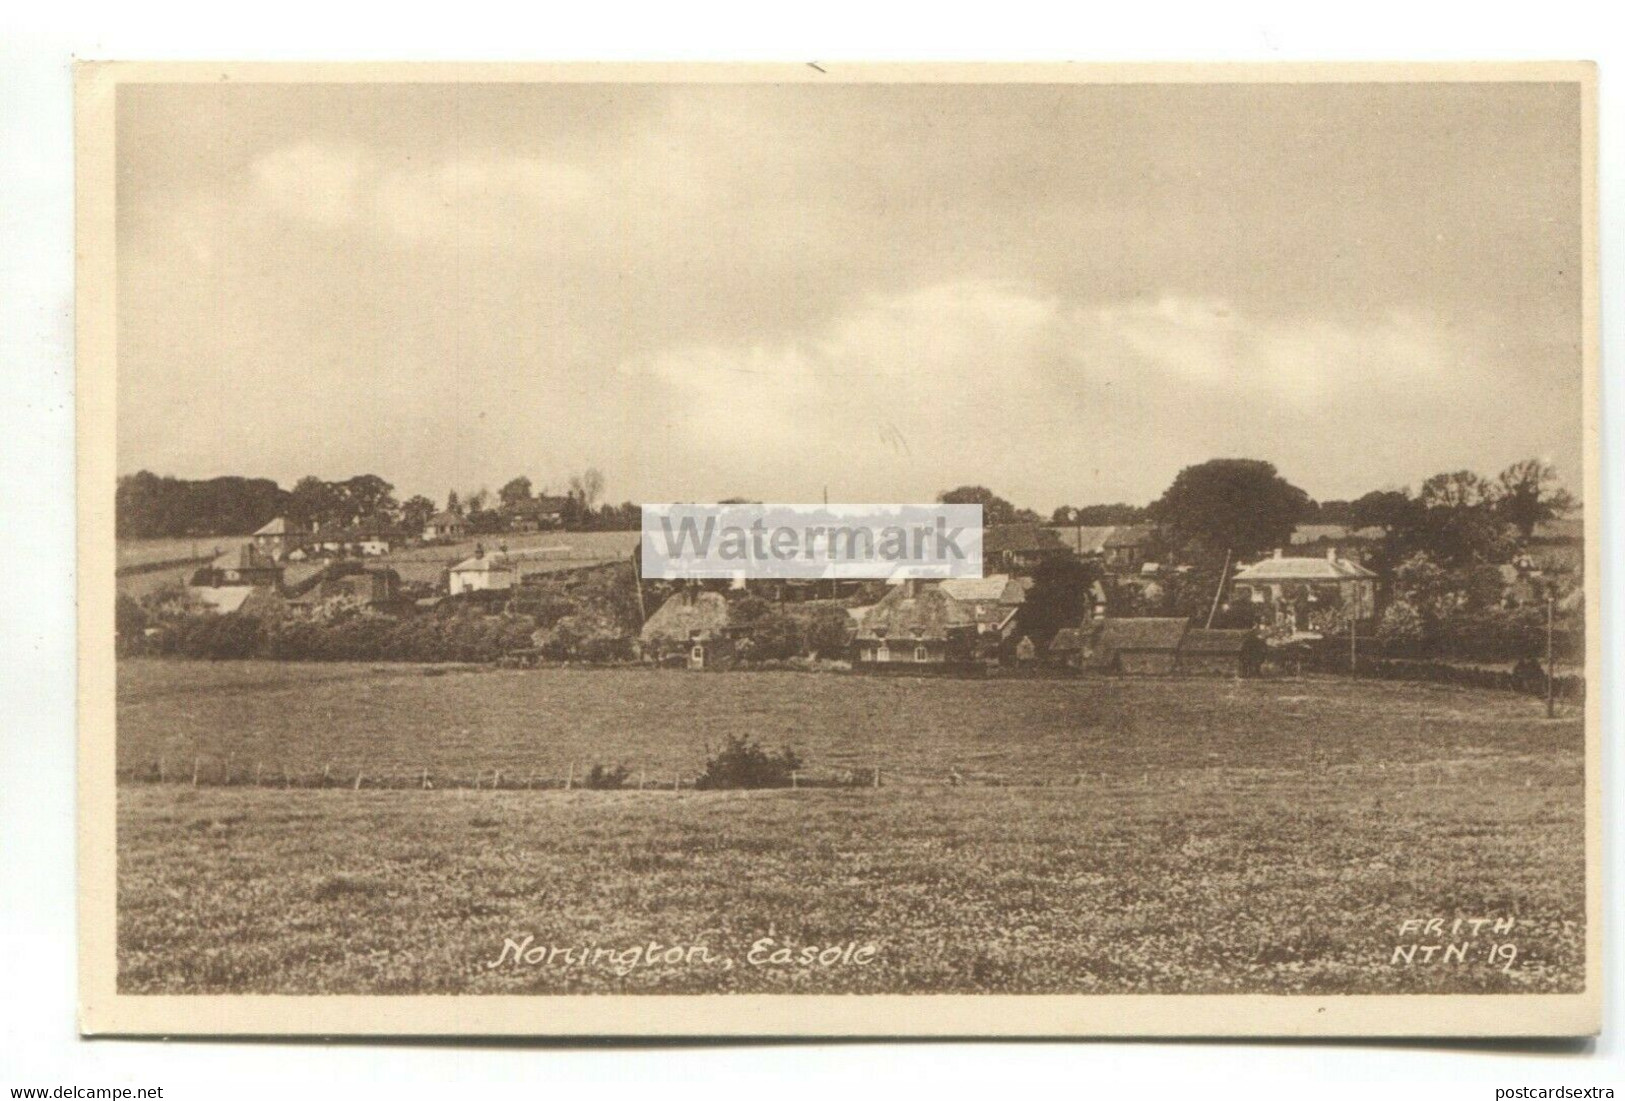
(104, 1011)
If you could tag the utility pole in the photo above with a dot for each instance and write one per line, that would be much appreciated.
(1354, 634)
(1224, 575)
(1551, 680)
(637, 580)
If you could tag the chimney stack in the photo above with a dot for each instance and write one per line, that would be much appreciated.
(1277, 553)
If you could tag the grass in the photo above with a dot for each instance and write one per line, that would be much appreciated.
(1208, 837)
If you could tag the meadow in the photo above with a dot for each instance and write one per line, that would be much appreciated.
(1081, 835)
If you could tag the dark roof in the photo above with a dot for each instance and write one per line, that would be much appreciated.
(686, 612)
(1007, 538)
(445, 518)
(537, 506)
(1083, 538)
(1131, 535)
(1200, 641)
(356, 534)
(1142, 634)
(928, 614)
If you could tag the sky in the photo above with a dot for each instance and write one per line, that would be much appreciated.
(1064, 292)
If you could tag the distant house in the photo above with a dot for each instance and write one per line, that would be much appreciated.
(481, 573)
(695, 624)
(374, 587)
(1555, 547)
(1084, 540)
(1129, 547)
(535, 514)
(276, 539)
(1221, 653)
(1019, 548)
(445, 527)
(1344, 540)
(1148, 646)
(246, 565)
(1307, 595)
(361, 541)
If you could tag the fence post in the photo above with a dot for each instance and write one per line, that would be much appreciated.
(496, 779)
(793, 779)
(357, 780)
(256, 774)
(570, 780)
(197, 764)
(160, 770)
(877, 776)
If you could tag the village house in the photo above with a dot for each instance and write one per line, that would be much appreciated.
(695, 625)
(535, 514)
(481, 573)
(374, 587)
(1353, 543)
(361, 541)
(1128, 548)
(1307, 595)
(276, 539)
(925, 622)
(245, 565)
(1070, 647)
(445, 527)
(1019, 548)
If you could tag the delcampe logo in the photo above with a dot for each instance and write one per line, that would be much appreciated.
(811, 541)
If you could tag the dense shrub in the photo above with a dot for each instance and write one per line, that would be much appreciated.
(741, 763)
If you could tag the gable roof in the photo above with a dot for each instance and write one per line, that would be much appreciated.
(446, 518)
(245, 556)
(279, 526)
(928, 614)
(1148, 633)
(1201, 641)
(684, 613)
(975, 590)
(1281, 568)
(1130, 535)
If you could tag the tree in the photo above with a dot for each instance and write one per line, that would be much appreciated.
(1456, 489)
(366, 498)
(1528, 495)
(1390, 509)
(1241, 506)
(995, 509)
(312, 501)
(587, 487)
(515, 492)
(415, 513)
(453, 505)
(1061, 595)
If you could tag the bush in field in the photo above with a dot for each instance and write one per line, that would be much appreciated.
(828, 633)
(741, 763)
(775, 637)
(602, 778)
(1401, 629)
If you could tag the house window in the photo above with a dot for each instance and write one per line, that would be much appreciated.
(919, 653)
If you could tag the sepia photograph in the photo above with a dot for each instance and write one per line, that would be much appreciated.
(850, 549)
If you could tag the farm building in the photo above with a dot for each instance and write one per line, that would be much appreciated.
(355, 542)
(445, 527)
(1307, 595)
(1139, 646)
(375, 587)
(994, 601)
(483, 572)
(695, 624)
(1221, 653)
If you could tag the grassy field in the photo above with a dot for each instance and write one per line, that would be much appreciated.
(1189, 835)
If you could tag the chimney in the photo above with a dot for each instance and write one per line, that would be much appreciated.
(1277, 552)
(1331, 554)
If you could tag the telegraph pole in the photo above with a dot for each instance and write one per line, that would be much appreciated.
(1551, 680)
(1224, 575)
(1354, 634)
